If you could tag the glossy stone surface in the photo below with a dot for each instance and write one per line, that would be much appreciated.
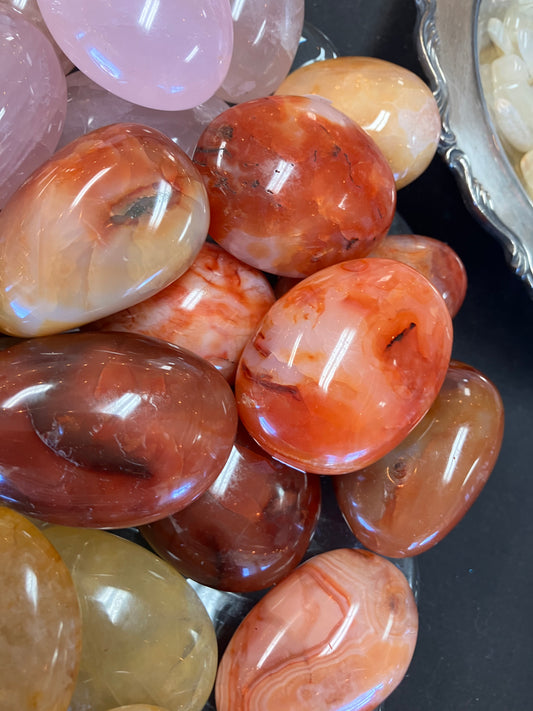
(212, 309)
(40, 638)
(409, 500)
(251, 527)
(265, 40)
(89, 106)
(434, 259)
(392, 104)
(164, 54)
(294, 185)
(109, 430)
(146, 636)
(114, 216)
(344, 365)
(338, 633)
(30, 12)
(33, 100)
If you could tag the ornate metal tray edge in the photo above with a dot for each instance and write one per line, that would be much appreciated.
(447, 48)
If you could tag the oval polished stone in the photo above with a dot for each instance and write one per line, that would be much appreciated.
(40, 637)
(164, 54)
(213, 309)
(344, 365)
(33, 101)
(338, 633)
(392, 104)
(109, 430)
(146, 635)
(409, 500)
(265, 40)
(89, 106)
(114, 217)
(434, 259)
(249, 529)
(294, 185)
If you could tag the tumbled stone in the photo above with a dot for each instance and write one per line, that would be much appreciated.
(294, 185)
(408, 501)
(114, 217)
(40, 624)
(392, 104)
(109, 430)
(337, 633)
(212, 309)
(434, 259)
(146, 636)
(344, 365)
(249, 529)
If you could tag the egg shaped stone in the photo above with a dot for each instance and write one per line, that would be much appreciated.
(40, 623)
(164, 54)
(338, 633)
(109, 430)
(408, 501)
(391, 103)
(212, 309)
(294, 185)
(344, 365)
(147, 638)
(249, 529)
(108, 221)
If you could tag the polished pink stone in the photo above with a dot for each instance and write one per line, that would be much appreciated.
(108, 221)
(164, 54)
(338, 633)
(249, 529)
(30, 11)
(213, 309)
(33, 100)
(90, 106)
(408, 501)
(109, 430)
(294, 185)
(266, 37)
(344, 365)
(434, 259)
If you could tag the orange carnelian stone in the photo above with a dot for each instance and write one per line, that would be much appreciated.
(294, 185)
(345, 365)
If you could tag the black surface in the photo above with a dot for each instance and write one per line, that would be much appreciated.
(475, 647)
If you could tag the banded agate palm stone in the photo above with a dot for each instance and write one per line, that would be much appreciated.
(109, 430)
(337, 633)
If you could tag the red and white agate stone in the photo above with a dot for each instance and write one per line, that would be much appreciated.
(344, 365)
(294, 185)
(212, 309)
(338, 633)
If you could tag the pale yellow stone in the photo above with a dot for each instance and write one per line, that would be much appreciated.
(393, 105)
(147, 638)
(40, 625)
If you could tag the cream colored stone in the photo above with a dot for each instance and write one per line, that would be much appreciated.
(390, 103)
(147, 638)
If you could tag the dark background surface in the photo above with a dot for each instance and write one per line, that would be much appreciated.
(475, 647)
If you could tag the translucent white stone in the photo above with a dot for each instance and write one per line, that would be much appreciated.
(499, 35)
(526, 166)
(513, 101)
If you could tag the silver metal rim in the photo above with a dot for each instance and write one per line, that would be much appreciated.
(447, 46)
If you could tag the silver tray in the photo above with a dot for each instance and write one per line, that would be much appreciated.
(447, 43)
